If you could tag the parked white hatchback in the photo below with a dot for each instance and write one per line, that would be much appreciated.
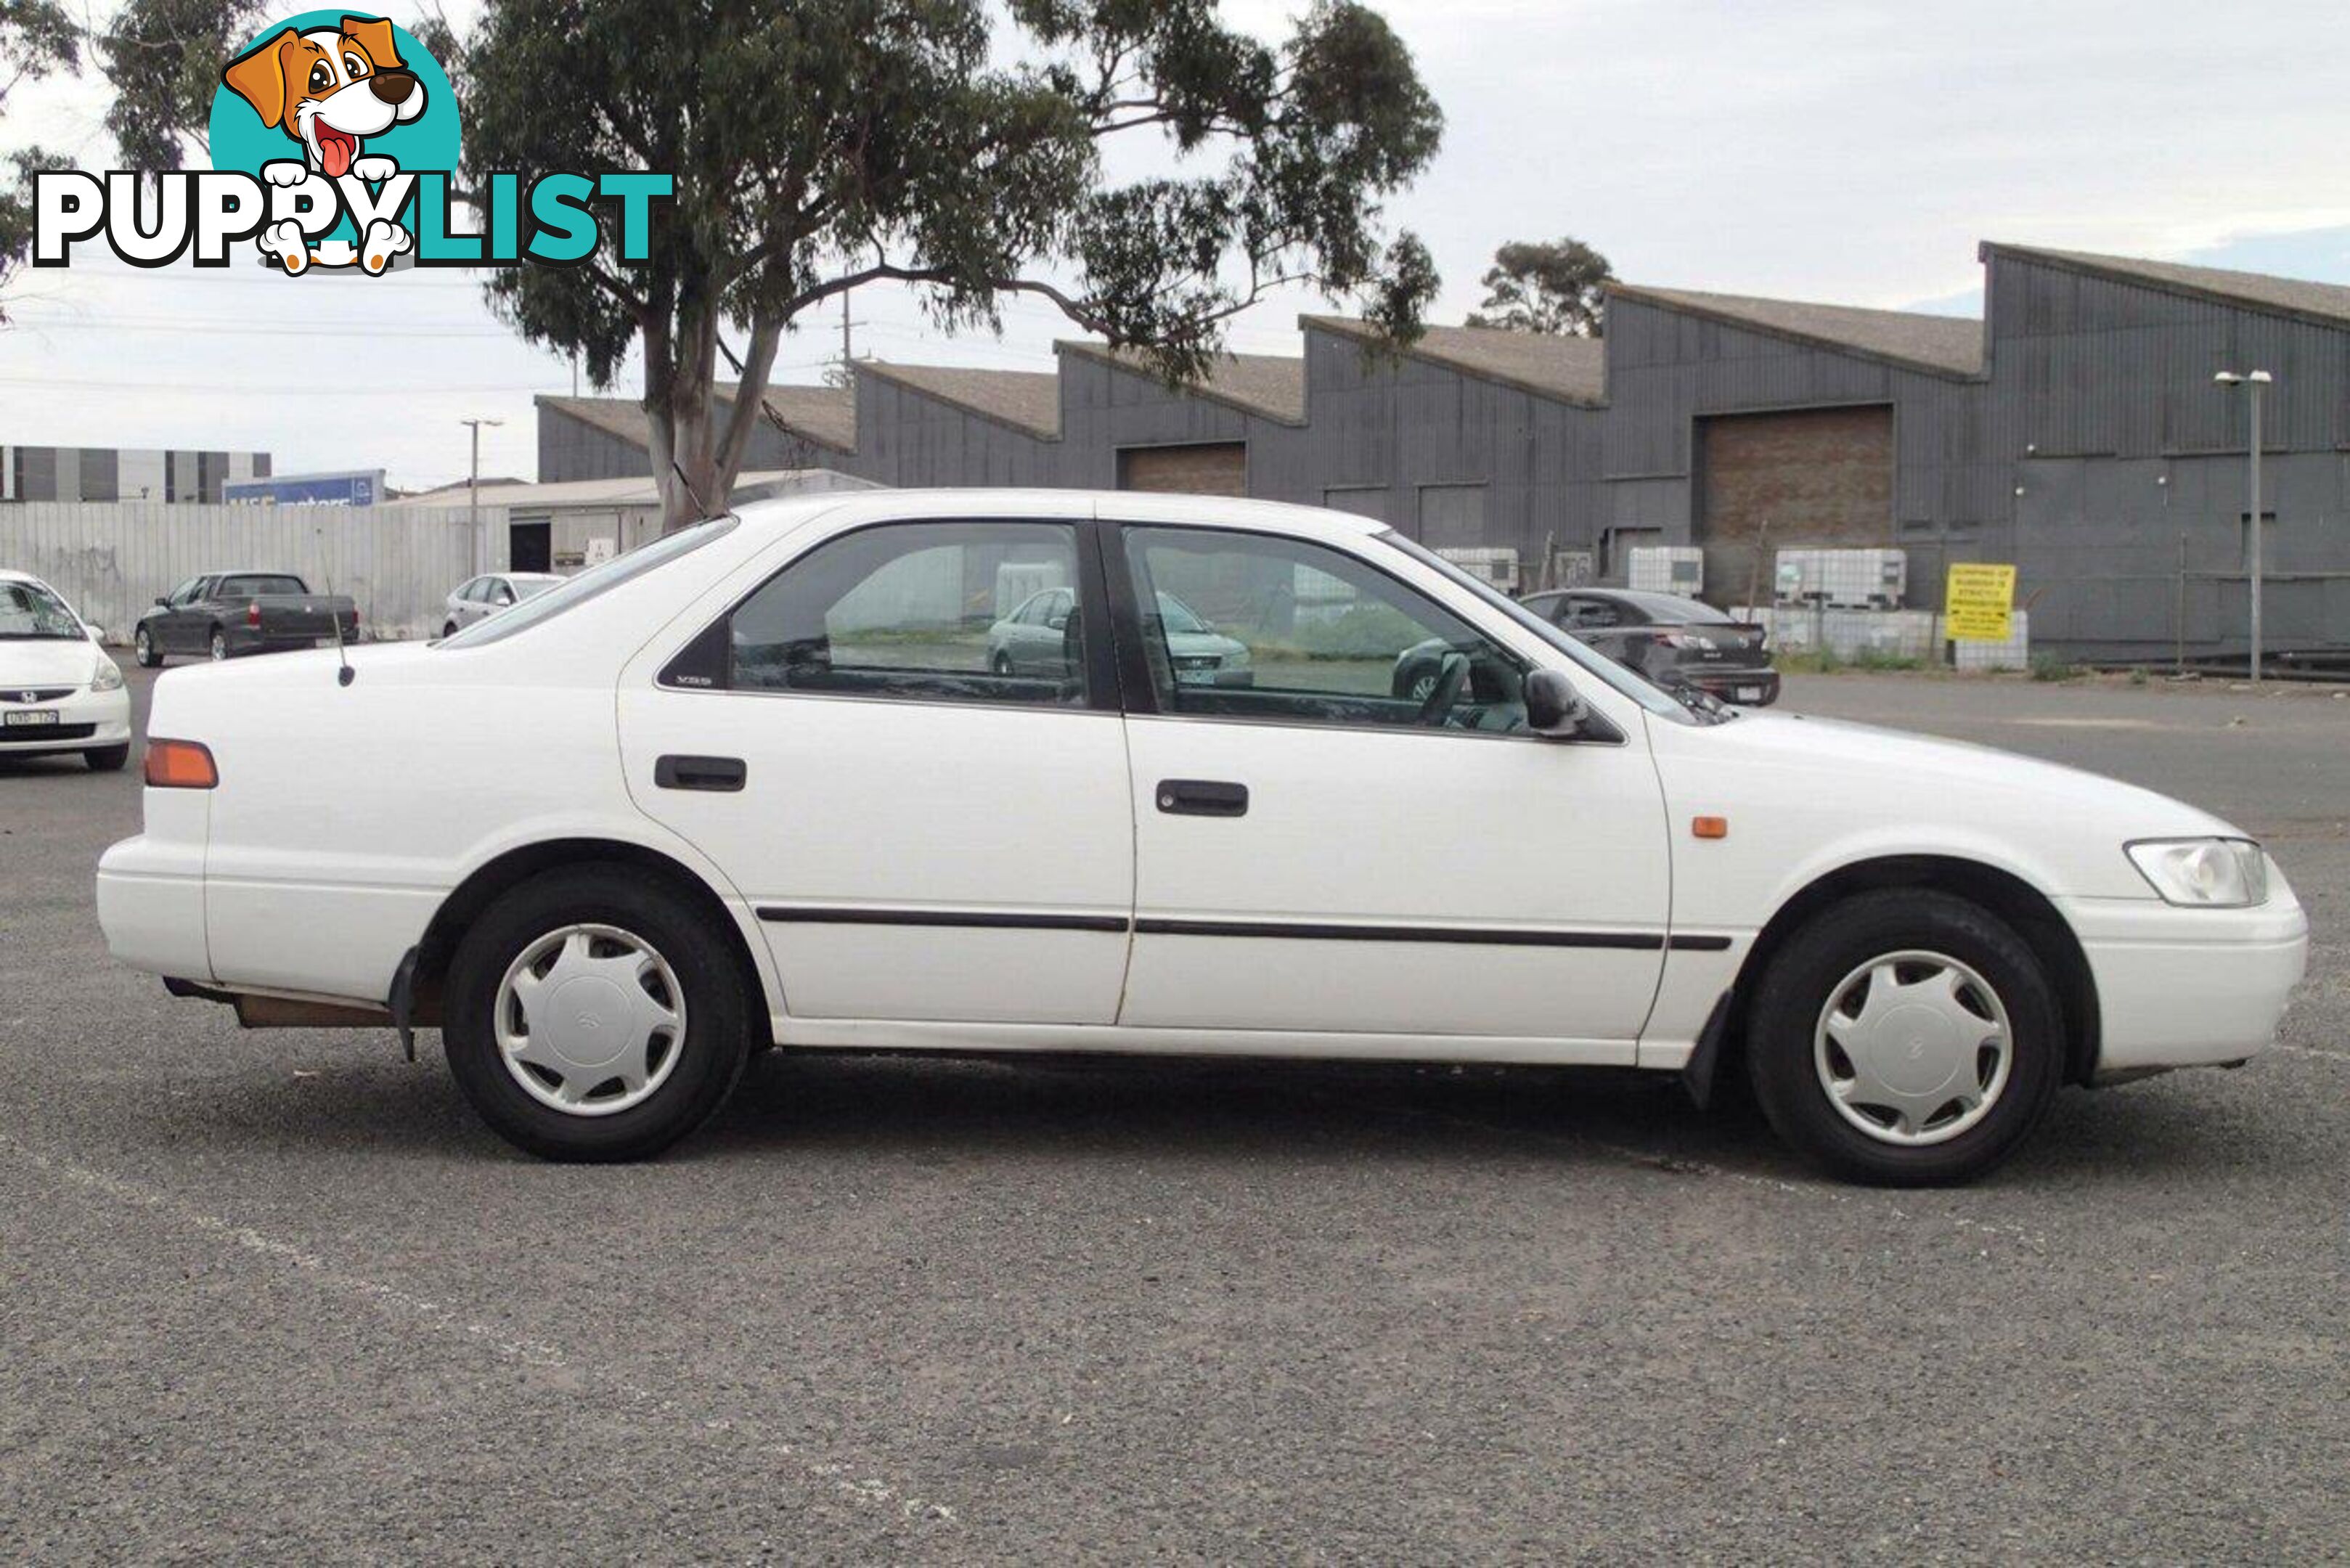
(757, 782)
(59, 692)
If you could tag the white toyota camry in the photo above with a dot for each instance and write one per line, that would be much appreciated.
(759, 783)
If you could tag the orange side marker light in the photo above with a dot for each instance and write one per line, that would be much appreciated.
(1710, 827)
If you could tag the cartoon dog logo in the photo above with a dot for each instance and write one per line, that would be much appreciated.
(329, 89)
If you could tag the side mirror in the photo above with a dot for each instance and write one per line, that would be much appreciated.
(1554, 707)
(97, 634)
(1057, 623)
(163, 603)
(504, 600)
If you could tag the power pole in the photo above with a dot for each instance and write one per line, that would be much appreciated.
(2255, 382)
(474, 493)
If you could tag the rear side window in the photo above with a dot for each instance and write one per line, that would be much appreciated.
(954, 612)
(590, 584)
(258, 587)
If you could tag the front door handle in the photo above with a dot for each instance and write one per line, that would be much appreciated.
(721, 773)
(1203, 797)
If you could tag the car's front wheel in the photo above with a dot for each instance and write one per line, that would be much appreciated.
(1907, 1038)
(449, 629)
(143, 648)
(593, 1014)
(219, 645)
(106, 759)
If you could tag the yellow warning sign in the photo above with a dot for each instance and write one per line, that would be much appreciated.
(1978, 601)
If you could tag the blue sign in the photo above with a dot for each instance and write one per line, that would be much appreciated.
(360, 487)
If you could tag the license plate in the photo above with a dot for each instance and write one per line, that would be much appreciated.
(28, 721)
(1750, 694)
(1195, 677)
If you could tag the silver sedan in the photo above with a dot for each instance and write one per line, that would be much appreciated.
(485, 596)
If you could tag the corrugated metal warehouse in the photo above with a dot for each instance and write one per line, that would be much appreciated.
(2076, 431)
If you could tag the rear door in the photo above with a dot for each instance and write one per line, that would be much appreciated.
(923, 836)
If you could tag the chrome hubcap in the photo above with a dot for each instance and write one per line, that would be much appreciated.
(1913, 1048)
(589, 1020)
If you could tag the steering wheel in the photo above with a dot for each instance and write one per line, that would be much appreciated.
(1451, 677)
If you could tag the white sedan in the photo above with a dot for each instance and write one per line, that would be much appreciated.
(59, 692)
(758, 785)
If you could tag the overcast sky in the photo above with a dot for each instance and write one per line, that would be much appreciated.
(1840, 151)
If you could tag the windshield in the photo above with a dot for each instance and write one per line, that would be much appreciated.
(1177, 616)
(573, 592)
(29, 611)
(1685, 706)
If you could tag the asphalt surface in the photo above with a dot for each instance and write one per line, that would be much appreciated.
(279, 1296)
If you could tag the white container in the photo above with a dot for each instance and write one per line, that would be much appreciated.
(1849, 579)
(1666, 569)
(1496, 565)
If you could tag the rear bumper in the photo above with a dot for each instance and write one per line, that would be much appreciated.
(2184, 987)
(86, 720)
(1734, 685)
(150, 902)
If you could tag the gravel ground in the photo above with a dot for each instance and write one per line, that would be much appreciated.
(278, 1296)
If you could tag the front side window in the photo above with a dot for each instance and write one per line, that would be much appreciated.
(186, 594)
(1247, 626)
(962, 612)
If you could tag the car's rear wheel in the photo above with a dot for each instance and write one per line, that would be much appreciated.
(143, 648)
(106, 759)
(1906, 1038)
(593, 1014)
(1000, 664)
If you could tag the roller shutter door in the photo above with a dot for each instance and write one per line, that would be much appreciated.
(1207, 468)
(1816, 477)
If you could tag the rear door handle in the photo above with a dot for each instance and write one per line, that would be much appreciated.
(1203, 797)
(722, 774)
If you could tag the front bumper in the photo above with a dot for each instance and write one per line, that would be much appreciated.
(2185, 988)
(85, 722)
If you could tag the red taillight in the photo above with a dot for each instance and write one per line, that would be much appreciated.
(355, 618)
(181, 764)
(253, 613)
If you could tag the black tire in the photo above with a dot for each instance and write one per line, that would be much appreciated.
(1416, 682)
(1000, 664)
(106, 759)
(449, 629)
(219, 646)
(716, 997)
(1797, 989)
(142, 649)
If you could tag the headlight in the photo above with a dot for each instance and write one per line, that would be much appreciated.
(108, 677)
(2204, 873)
(1238, 659)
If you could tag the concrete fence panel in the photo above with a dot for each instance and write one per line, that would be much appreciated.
(112, 560)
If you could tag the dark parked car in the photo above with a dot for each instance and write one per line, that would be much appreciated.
(1670, 640)
(223, 614)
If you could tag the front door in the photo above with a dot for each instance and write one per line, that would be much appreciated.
(924, 834)
(1362, 838)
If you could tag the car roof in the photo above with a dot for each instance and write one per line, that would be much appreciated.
(845, 508)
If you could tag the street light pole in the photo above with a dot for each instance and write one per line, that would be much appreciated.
(474, 491)
(2255, 382)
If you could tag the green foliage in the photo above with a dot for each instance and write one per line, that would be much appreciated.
(1362, 631)
(37, 37)
(1558, 287)
(820, 146)
(2049, 667)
